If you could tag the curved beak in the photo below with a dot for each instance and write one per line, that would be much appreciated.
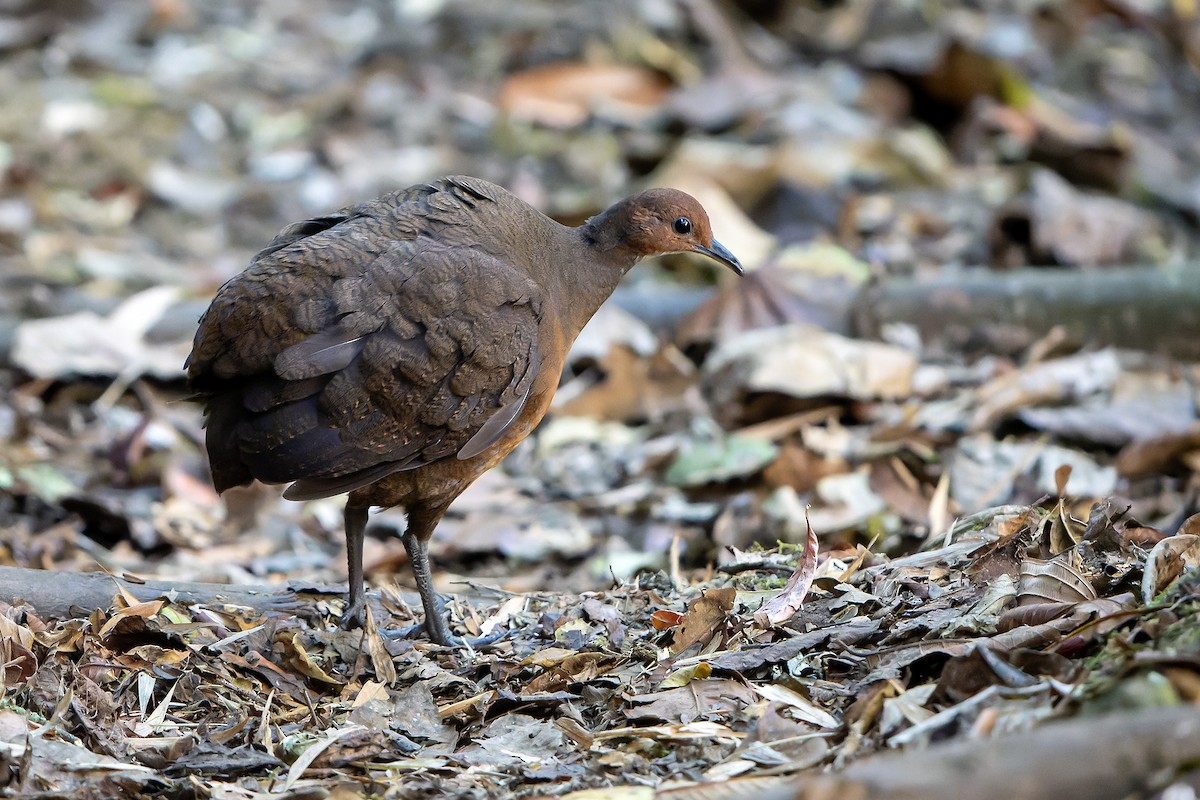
(718, 252)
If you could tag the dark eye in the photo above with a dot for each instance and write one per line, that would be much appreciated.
(683, 226)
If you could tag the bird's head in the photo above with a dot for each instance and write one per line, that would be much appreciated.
(661, 221)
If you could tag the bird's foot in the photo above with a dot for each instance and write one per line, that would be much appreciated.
(481, 642)
(456, 642)
(353, 617)
(443, 637)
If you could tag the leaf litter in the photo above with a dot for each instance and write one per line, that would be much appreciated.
(755, 551)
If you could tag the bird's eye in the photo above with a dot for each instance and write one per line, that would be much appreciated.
(683, 226)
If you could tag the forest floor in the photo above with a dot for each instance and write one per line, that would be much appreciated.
(918, 492)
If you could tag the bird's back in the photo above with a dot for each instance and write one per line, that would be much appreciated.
(380, 338)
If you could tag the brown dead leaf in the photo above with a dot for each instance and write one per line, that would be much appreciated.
(1065, 531)
(908, 496)
(564, 94)
(299, 659)
(1156, 454)
(1061, 476)
(576, 668)
(635, 387)
(663, 618)
(1141, 536)
(257, 664)
(19, 662)
(705, 618)
(381, 659)
(1033, 614)
(141, 611)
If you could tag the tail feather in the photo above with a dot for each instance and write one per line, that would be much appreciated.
(221, 416)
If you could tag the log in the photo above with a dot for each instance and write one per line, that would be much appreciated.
(1105, 757)
(1150, 308)
(67, 595)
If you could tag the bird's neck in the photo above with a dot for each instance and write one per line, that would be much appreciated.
(585, 283)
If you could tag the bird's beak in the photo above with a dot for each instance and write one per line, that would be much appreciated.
(718, 252)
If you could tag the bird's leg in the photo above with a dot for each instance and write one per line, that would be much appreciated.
(356, 526)
(421, 522)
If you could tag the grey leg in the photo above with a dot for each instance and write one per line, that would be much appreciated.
(421, 523)
(356, 525)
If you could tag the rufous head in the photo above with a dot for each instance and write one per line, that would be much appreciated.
(661, 221)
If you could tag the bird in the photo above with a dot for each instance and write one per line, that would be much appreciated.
(396, 350)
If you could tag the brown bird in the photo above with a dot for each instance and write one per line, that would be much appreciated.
(400, 348)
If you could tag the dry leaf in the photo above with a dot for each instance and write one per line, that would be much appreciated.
(783, 607)
(1054, 580)
(314, 750)
(664, 619)
(564, 94)
(299, 660)
(803, 361)
(1167, 561)
(705, 618)
(685, 675)
(85, 343)
(802, 708)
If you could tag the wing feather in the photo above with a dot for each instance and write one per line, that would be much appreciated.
(359, 344)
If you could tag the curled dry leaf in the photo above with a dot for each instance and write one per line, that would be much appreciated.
(783, 607)
(20, 663)
(302, 662)
(664, 618)
(801, 706)
(1166, 563)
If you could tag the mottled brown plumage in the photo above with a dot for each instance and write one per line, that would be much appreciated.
(400, 348)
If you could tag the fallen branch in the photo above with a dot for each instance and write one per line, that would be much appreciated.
(1156, 309)
(64, 595)
(1101, 757)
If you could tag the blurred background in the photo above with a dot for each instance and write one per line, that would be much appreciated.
(970, 227)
